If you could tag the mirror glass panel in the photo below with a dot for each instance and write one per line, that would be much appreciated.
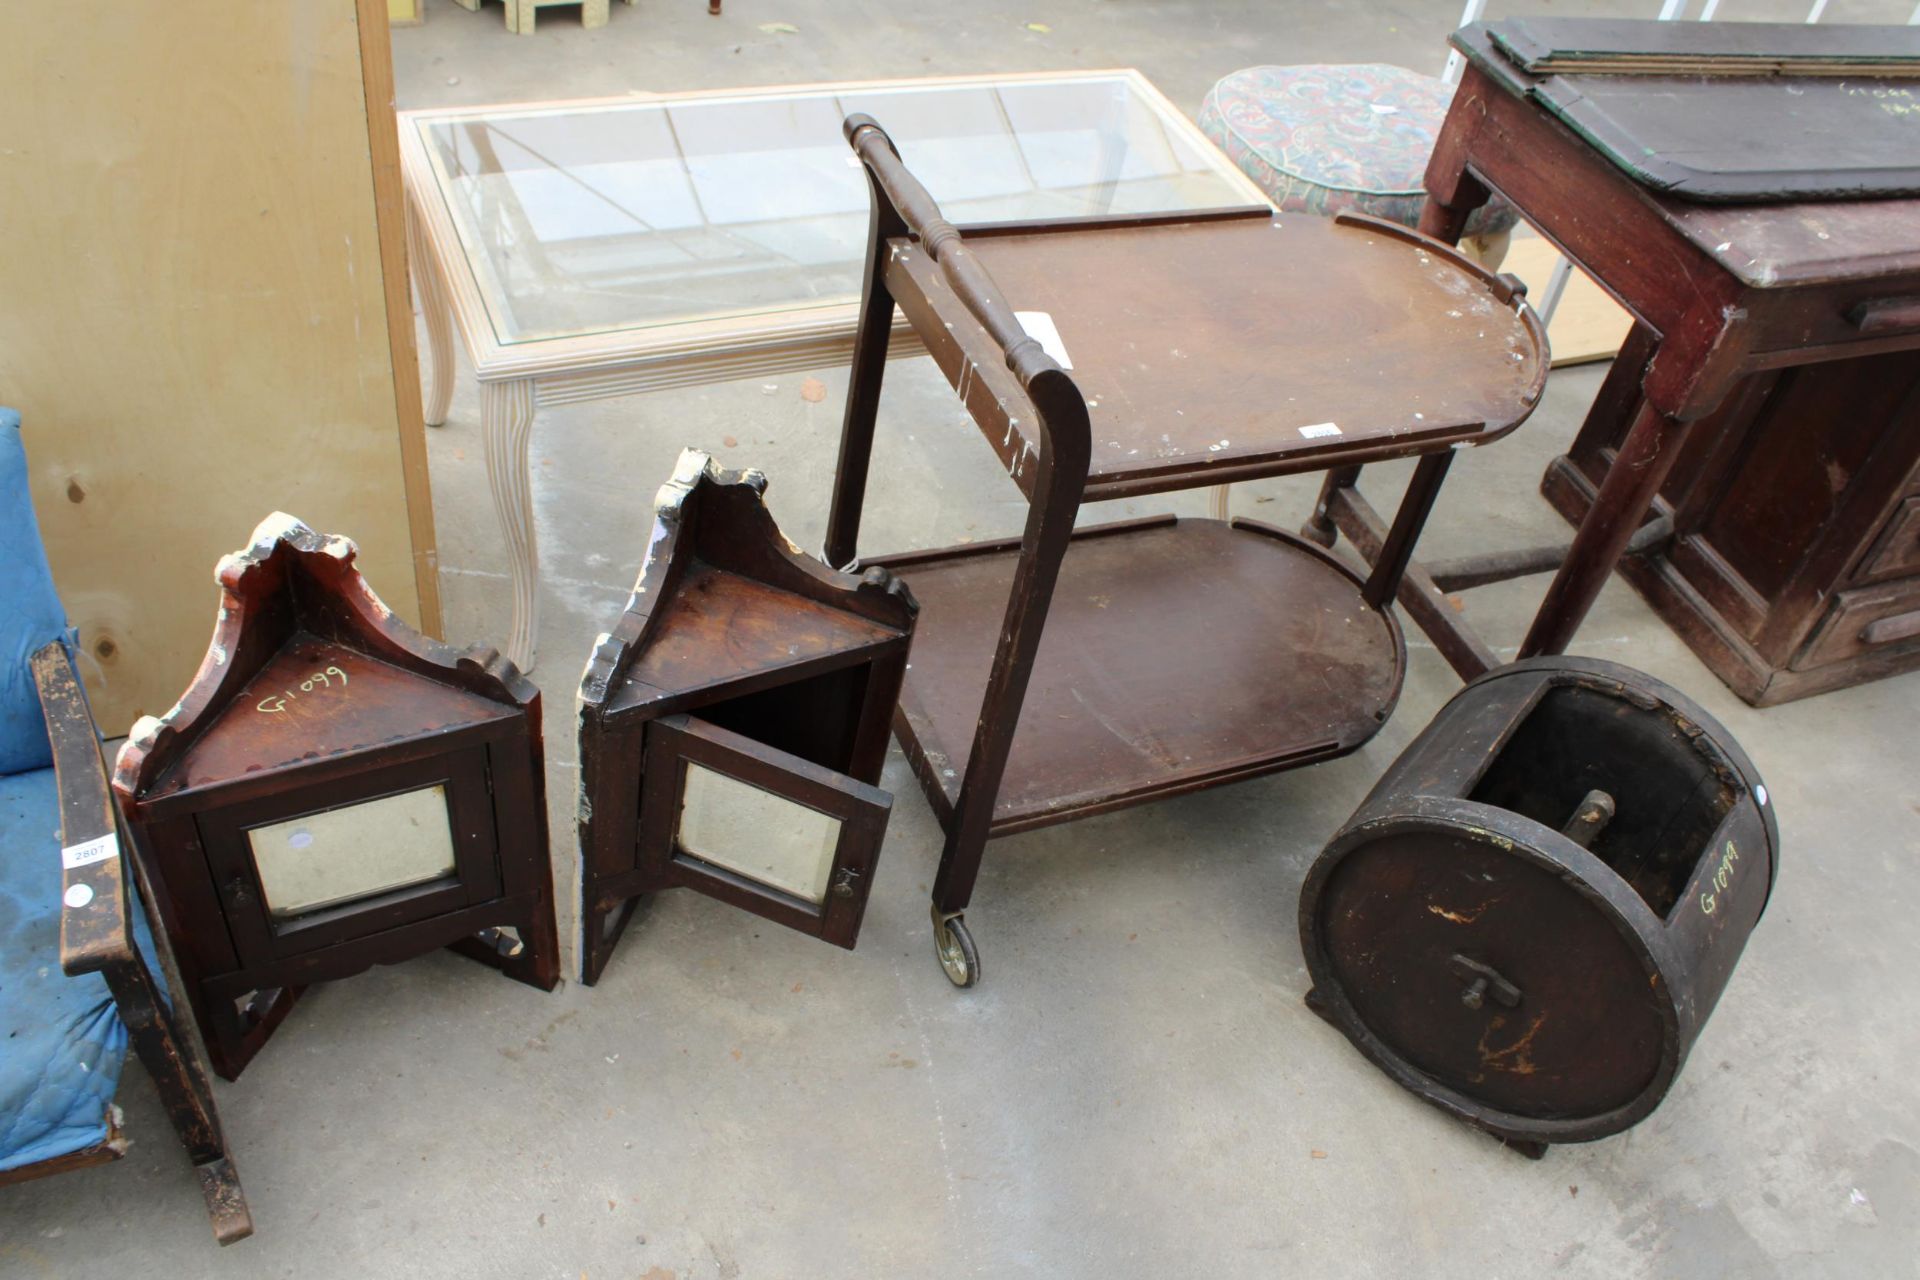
(757, 834)
(357, 851)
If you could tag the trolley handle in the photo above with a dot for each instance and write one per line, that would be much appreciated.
(964, 273)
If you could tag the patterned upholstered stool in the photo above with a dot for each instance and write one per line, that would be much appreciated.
(1325, 139)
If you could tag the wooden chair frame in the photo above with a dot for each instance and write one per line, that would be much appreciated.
(96, 936)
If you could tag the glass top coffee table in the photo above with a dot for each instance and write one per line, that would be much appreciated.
(603, 247)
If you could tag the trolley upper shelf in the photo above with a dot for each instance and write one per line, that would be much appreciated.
(1236, 344)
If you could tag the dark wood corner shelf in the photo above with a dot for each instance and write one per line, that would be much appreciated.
(743, 695)
(1179, 654)
(722, 628)
(284, 718)
(333, 791)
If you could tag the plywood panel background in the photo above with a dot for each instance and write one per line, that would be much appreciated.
(193, 312)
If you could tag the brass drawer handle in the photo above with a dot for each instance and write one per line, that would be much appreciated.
(1901, 626)
(1886, 315)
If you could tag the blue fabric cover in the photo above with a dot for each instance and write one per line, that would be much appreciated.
(62, 1043)
(30, 612)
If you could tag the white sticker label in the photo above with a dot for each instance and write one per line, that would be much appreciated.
(79, 896)
(81, 855)
(1040, 327)
(1319, 429)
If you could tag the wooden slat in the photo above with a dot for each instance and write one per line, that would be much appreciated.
(93, 924)
(1541, 45)
(389, 210)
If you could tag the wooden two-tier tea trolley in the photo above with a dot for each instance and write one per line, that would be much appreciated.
(1072, 672)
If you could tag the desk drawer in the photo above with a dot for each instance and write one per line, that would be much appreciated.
(1858, 314)
(1863, 621)
(1897, 553)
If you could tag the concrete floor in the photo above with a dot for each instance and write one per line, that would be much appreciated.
(1136, 1088)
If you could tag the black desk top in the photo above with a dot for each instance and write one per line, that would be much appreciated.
(1724, 139)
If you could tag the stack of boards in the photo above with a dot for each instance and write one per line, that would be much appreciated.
(1725, 113)
(1598, 47)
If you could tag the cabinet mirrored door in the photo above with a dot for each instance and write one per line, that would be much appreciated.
(767, 831)
(355, 856)
(352, 853)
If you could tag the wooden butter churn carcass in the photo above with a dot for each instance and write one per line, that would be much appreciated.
(1530, 917)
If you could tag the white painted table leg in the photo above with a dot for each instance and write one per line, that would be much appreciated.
(506, 416)
(437, 310)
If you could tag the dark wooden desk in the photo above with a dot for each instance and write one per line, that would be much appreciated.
(1793, 564)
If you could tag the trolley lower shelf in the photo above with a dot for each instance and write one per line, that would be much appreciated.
(1178, 655)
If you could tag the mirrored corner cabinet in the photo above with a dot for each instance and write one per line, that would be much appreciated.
(334, 791)
(734, 721)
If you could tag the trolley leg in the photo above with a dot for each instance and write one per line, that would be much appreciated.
(863, 386)
(1383, 584)
(1319, 526)
(1042, 548)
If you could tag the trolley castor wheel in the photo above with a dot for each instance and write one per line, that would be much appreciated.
(953, 947)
